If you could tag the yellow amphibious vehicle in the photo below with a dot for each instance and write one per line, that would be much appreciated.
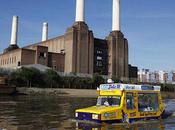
(124, 103)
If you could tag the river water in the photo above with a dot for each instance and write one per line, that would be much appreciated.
(57, 113)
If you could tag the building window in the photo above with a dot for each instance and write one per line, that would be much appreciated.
(42, 55)
(99, 63)
(99, 52)
(99, 58)
(62, 51)
(19, 63)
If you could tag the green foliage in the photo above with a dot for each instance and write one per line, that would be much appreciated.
(31, 77)
(52, 78)
(77, 82)
(116, 80)
(168, 87)
(97, 80)
(17, 79)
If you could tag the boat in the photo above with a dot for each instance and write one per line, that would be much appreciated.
(124, 103)
(5, 89)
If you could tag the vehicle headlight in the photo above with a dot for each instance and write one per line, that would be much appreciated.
(76, 114)
(95, 116)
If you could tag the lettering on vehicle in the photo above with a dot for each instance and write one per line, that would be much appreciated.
(144, 87)
(133, 114)
(148, 113)
(127, 87)
(110, 115)
(109, 87)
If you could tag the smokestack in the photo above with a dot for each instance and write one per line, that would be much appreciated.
(116, 16)
(79, 11)
(45, 32)
(14, 31)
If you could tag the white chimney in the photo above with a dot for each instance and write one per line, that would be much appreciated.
(116, 16)
(79, 11)
(45, 31)
(14, 32)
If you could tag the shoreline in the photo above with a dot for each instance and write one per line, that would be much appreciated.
(91, 93)
(59, 92)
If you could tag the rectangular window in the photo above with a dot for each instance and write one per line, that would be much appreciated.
(99, 63)
(62, 51)
(99, 52)
(19, 63)
(42, 55)
(99, 58)
(148, 102)
(129, 101)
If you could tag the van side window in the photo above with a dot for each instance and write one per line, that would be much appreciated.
(148, 102)
(129, 101)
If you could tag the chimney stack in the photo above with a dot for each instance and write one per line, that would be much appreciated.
(79, 11)
(45, 32)
(14, 32)
(116, 16)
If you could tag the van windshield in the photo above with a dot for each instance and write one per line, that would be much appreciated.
(108, 101)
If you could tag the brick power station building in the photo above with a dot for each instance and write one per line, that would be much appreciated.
(76, 51)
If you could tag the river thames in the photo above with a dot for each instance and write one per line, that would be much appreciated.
(57, 113)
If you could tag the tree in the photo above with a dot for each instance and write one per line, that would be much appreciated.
(32, 76)
(97, 80)
(116, 80)
(16, 79)
(52, 78)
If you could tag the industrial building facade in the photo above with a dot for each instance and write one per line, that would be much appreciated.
(77, 51)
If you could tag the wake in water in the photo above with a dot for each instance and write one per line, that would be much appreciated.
(170, 105)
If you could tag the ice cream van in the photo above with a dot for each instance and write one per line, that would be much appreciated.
(124, 103)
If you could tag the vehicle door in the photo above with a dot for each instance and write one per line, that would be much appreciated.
(130, 104)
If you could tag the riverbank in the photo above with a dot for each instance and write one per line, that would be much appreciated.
(58, 92)
(74, 92)
(168, 95)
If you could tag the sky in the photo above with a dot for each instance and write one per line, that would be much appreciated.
(149, 25)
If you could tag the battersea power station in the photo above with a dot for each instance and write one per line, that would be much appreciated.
(76, 51)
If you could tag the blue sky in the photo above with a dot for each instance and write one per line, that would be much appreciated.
(149, 25)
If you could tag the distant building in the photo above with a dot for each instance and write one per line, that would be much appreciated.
(169, 77)
(152, 77)
(76, 51)
(133, 75)
(38, 55)
(143, 75)
(162, 76)
(173, 77)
